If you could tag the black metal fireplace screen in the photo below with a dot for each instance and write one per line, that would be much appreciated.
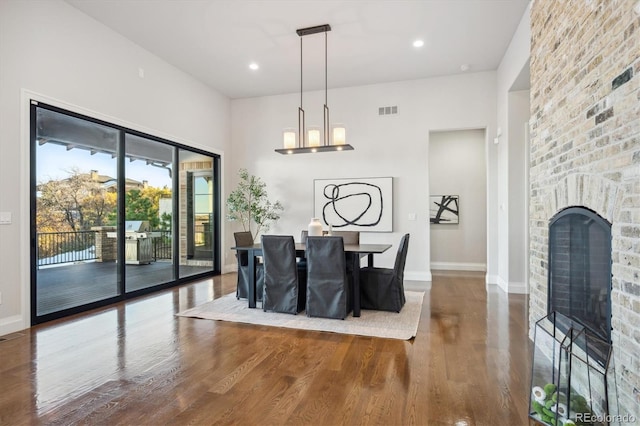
(573, 376)
(580, 269)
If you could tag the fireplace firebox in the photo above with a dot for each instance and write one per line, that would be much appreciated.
(580, 269)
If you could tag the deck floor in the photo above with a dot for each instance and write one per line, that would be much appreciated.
(68, 286)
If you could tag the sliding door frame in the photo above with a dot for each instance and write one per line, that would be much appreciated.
(34, 104)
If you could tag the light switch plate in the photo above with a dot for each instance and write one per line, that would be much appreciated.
(5, 218)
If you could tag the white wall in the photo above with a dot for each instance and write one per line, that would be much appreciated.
(457, 167)
(389, 145)
(66, 58)
(501, 257)
(518, 169)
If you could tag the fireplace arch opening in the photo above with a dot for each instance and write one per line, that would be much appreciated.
(580, 269)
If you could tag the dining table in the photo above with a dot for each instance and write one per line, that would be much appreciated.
(354, 253)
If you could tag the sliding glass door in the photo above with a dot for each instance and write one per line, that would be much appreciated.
(74, 225)
(148, 254)
(198, 207)
(115, 213)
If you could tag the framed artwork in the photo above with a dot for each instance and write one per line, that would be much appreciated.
(358, 204)
(444, 209)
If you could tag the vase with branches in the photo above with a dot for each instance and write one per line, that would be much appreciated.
(249, 204)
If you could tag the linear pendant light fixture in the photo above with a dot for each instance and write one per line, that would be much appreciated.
(314, 140)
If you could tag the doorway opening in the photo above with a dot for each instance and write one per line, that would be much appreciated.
(458, 200)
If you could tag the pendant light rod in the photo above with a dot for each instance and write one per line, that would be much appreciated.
(326, 103)
(325, 69)
(301, 132)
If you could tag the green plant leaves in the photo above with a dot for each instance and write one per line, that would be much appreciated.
(249, 203)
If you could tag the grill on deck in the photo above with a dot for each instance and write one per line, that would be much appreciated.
(138, 245)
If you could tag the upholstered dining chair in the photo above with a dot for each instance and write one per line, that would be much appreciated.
(242, 288)
(382, 288)
(349, 237)
(302, 263)
(283, 292)
(328, 287)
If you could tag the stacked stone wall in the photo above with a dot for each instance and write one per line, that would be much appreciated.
(585, 151)
(106, 247)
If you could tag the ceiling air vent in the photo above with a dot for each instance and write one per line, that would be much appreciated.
(388, 110)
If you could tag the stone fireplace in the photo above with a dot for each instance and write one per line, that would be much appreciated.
(585, 153)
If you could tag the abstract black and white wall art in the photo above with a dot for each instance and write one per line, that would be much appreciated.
(364, 205)
(444, 209)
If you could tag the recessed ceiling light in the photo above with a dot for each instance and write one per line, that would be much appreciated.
(254, 66)
(418, 43)
(464, 67)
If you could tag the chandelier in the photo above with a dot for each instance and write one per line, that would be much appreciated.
(309, 140)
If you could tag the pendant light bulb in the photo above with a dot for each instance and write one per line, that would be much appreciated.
(339, 135)
(289, 138)
(313, 136)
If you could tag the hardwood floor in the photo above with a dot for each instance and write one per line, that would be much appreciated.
(135, 363)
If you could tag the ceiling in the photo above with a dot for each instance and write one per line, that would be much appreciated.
(370, 41)
(73, 132)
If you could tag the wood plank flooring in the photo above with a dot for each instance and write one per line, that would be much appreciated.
(136, 363)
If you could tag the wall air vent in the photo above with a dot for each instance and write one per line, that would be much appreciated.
(388, 110)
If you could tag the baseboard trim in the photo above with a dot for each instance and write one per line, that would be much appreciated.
(410, 285)
(512, 288)
(491, 279)
(230, 267)
(457, 266)
(503, 285)
(418, 276)
(518, 288)
(12, 324)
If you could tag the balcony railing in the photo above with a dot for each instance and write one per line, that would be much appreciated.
(162, 248)
(65, 247)
(68, 247)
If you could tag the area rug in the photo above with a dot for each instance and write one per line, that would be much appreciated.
(392, 325)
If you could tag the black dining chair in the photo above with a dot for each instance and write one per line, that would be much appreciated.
(383, 288)
(283, 291)
(302, 262)
(242, 288)
(349, 237)
(328, 286)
